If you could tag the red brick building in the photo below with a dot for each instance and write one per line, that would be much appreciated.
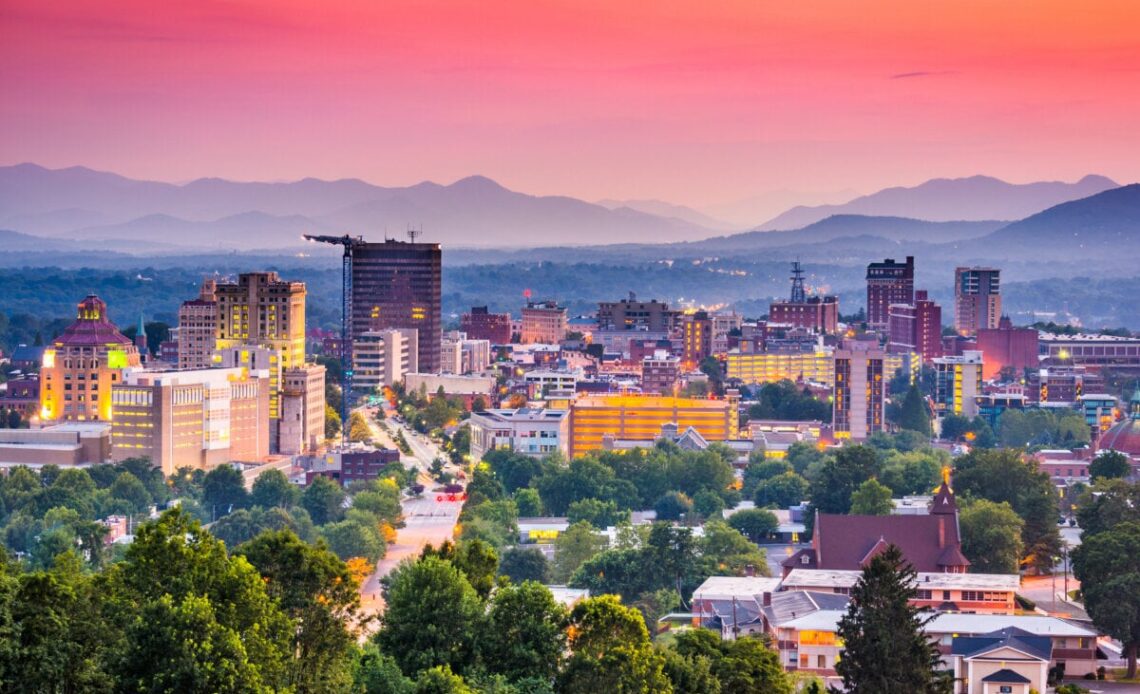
(1007, 346)
(916, 327)
(480, 324)
(888, 282)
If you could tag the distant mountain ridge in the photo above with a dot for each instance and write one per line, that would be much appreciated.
(473, 211)
(951, 199)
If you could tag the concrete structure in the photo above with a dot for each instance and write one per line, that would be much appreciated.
(197, 419)
(65, 445)
(1062, 385)
(383, 357)
(543, 322)
(916, 327)
(21, 394)
(198, 329)
(81, 366)
(1007, 347)
(397, 285)
(977, 299)
(815, 365)
(660, 374)
(641, 417)
(958, 383)
(480, 324)
(633, 315)
(541, 381)
(533, 432)
(696, 338)
(816, 313)
(859, 393)
(888, 282)
(302, 426)
(460, 355)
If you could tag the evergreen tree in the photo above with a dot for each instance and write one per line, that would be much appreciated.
(912, 414)
(886, 650)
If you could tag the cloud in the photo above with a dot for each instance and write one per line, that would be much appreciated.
(921, 73)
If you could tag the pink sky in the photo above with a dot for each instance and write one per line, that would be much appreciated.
(694, 102)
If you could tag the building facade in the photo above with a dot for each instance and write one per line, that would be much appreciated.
(533, 432)
(262, 310)
(197, 419)
(642, 316)
(859, 392)
(660, 374)
(977, 299)
(397, 285)
(696, 338)
(888, 282)
(383, 357)
(480, 324)
(816, 365)
(916, 327)
(302, 426)
(641, 417)
(81, 366)
(1007, 347)
(198, 329)
(543, 322)
(958, 383)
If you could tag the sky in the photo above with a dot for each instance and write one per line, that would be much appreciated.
(692, 102)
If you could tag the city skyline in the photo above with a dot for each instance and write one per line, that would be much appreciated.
(695, 106)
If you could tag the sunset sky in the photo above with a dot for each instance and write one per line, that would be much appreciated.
(691, 102)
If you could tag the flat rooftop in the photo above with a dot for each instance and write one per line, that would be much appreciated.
(829, 578)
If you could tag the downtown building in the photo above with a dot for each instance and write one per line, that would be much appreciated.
(596, 418)
(480, 324)
(533, 432)
(199, 419)
(382, 358)
(543, 322)
(888, 282)
(977, 299)
(816, 313)
(916, 327)
(641, 316)
(859, 393)
(397, 285)
(81, 366)
(958, 383)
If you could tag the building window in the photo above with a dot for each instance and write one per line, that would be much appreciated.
(821, 662)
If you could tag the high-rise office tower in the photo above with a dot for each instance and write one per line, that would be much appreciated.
(859, 392)
(396, 284)
(696, 338)
(888, 282)
(977, 299)
(263, 310)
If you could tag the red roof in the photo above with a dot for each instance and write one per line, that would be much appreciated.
(929, 542)
(91, 327)
(1123, 437)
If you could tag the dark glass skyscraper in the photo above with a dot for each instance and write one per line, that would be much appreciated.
(397, 285)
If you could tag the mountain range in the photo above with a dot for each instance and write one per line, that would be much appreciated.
(213, 214)
(951, 199)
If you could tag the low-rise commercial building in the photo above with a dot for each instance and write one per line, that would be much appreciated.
(641, 417)
(65, 445)
(533, 432)
(383, 357)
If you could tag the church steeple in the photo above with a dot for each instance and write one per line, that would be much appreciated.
(1134, 403)
(943, 501)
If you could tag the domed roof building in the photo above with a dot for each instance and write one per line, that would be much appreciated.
(1124, 436)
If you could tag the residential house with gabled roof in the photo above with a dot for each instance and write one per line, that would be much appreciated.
(1009, 661)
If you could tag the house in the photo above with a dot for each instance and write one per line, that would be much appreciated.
(1008, 661)
(848, 542)
(1074, 646)
(732, 605)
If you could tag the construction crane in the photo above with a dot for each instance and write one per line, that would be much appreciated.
(350, 243)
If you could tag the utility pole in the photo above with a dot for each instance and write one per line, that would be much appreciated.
(350, 243)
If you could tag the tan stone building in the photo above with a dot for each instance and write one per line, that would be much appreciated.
(543, 322)
(198, 329)
(198, 419)
(302, 424)
(81, 365)
(263, 310)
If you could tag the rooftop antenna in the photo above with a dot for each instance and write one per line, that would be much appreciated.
(798, 294)
(413, 233)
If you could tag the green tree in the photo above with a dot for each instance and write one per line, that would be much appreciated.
(755, 524)
(196, 603)
(781, 491)
(708, 504)
(324, 500)
(316, 590)
(332, 422)
(913, 415)
(526, 633)
(273, 488)
(761, 469)
(1108, 504)
(376, 673)
(1108, 566)
(223, 490)
(477, 560)
(528, 502)
(524, 564)
(350, 538)
(358, 429)
(1005, 475)
(433, 617)
(673, 505)
(574, 546)
(991, 536)
(1110, 465)
(441, 680)
(740, 665)
(840, 476)
(128, 489)
(611, 651)
(872, 498)
(600, 514)
(726, 550)
(886, 650)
